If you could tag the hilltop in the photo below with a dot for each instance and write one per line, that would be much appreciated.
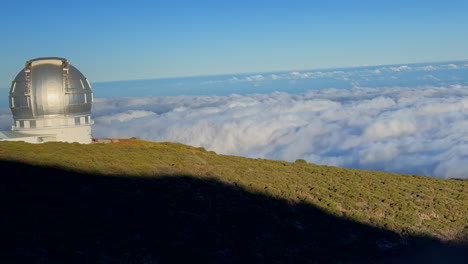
(135, 201)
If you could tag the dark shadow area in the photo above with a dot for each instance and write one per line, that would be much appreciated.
(52, 215)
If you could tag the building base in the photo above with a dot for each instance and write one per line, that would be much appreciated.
(79, 134)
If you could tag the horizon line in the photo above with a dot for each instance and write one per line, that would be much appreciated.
(274, 71)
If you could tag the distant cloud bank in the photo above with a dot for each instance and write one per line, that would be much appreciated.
(422, 130)
(294, 82)
(345, 74)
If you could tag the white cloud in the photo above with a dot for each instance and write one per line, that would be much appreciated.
(379, 152)
(295, 73)
(420, 130)
(275, 77)
(390, 129)
(235, 79)
(456, 168)
(428, 68)
(399, 68)
(255, 78)
(123, 117)
(252, 78)
(305, 75)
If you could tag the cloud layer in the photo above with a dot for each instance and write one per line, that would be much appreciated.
(413, 119)
(422, 130)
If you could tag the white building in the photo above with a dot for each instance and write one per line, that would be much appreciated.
(50, 101)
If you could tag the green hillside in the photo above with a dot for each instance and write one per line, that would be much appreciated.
(168, 201)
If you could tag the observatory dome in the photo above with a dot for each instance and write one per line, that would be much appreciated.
(49, 93)
(50, 87)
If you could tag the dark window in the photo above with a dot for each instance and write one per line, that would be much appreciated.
(77, 121)
(32, 124)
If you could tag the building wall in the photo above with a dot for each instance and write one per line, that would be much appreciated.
(80, 134)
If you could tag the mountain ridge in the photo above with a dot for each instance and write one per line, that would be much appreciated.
(301, 210)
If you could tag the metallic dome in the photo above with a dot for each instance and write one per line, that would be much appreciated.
(50, 88)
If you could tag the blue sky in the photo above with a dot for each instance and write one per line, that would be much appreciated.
(128, 40)
(265, 79)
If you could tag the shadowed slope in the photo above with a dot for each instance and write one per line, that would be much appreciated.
(57, 216)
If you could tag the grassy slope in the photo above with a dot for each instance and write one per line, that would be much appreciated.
(409, 205)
